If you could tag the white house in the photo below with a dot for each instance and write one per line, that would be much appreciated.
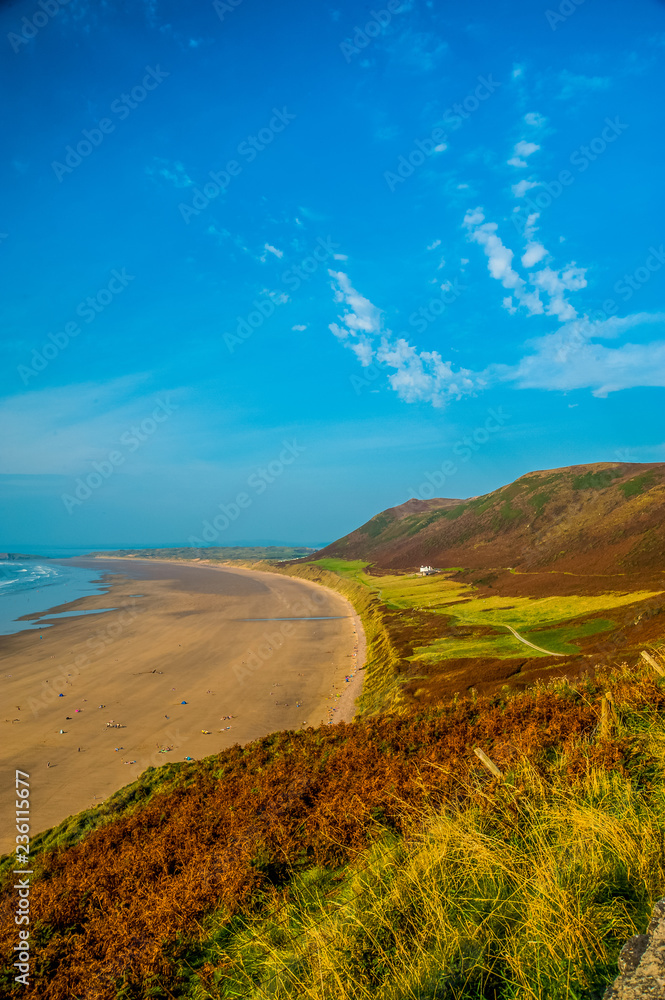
(427, 571)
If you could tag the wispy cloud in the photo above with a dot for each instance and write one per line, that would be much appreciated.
(417, 51)
(573, 84)
(416, 376)
(174, 173)
(522, 149)
(268, 248)
(521, 188)
(571, 358)
(60, 431)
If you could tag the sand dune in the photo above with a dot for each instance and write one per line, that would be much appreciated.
(168, 664)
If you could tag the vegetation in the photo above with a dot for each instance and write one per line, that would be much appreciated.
(595, 480)
(633, 487)
(550, 622)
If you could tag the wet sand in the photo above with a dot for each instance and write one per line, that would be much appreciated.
(176, 635)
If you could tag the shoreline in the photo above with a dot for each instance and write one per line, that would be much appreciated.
(181, 649)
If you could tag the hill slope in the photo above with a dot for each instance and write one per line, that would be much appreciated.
(607, 517)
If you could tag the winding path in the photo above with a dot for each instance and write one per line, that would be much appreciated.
(527, 643)
(517, 636)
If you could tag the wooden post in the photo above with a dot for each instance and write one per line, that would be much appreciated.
(652, 663)
(489, 764)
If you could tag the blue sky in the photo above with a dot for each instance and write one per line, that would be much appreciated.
(431, 260)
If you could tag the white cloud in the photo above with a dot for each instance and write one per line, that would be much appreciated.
(570, 358)
(522, 149)
(555, 283)
(299, 327)
(521, 188)
(517, 71)
(416, 376)
(533, 254)
(434, 245)
(500, 259)
(268, 248)
(547, 283)
(340, 256)
(535, 119)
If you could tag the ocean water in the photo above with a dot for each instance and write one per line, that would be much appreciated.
(34, 586)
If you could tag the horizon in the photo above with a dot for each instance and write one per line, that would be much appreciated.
(306, 263)
(37, 549)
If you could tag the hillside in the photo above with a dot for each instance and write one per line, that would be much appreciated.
(604, 518)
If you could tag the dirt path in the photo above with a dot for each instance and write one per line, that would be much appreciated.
(527, 643)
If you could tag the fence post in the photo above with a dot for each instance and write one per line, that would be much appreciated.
(489, 764)
(652, 663)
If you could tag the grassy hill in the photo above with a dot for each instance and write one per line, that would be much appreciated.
(588, 520)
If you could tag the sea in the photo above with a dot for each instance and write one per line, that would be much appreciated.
(34, 586)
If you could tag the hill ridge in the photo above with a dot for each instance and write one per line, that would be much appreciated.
(596, 517)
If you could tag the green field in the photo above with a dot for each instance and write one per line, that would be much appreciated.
(554, 623)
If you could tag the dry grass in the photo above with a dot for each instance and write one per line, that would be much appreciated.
(527, 894)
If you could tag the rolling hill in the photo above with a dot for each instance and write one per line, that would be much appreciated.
(597, 519)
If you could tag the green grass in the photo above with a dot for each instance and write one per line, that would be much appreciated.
(534, 618)
(377, 525)
(445, 595)
(504, 645)
(633, 487)
(540, 500)
(596, 480)
(346, 568)
(501, 646)
(562, 640)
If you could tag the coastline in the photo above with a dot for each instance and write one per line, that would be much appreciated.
(177, 633)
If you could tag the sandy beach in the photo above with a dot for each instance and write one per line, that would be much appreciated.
(182, 667)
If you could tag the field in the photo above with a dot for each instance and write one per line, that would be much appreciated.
(552, 623)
